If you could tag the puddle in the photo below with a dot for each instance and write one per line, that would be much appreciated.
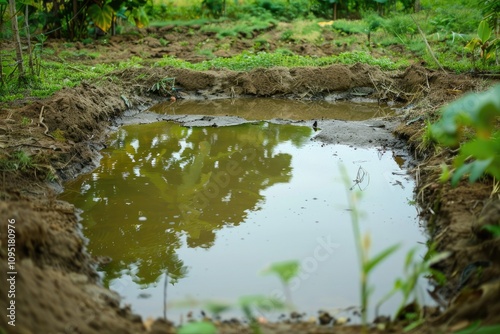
(261, 108)
(213, 206)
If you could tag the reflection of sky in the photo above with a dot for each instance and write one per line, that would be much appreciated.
(304, 219)
(294, 217)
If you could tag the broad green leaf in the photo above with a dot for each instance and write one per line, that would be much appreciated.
(199, 327)
(102, 17)
(479, 149)
(478, 111)
(478, 168)
(139, 17)
(285, 270)
(459, 172)
(373, 262)
(484, 31)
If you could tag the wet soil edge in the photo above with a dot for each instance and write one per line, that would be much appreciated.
(67, 132)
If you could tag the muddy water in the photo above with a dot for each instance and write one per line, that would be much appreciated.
(213, 206)
(261, 108)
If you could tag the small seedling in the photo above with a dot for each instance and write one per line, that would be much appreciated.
(285, 271)
(165, 87)
(25, 121)
(363, 243)
(483, 43)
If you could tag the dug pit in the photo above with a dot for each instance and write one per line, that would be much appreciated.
(208, 201)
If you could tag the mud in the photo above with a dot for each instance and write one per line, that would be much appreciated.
(57, 290)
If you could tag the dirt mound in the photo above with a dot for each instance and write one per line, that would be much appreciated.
(300, 82)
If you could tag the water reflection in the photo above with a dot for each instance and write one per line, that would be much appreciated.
(178, 182)
(267, 108)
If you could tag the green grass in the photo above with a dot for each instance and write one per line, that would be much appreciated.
(56, 75)
(244, 27)
(248, 61)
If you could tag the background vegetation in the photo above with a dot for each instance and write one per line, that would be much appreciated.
(440, 33)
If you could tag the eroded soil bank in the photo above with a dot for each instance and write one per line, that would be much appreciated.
(57, 289)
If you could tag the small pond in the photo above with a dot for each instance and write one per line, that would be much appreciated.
(213, 206)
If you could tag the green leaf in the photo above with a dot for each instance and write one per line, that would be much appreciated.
(373, 262)
(484, 31)
(413, 325)
(459, 172)
(473, 44)
(260, 302)
(139, 17)
(445, 173)
(217, 307)
(437, 258)
(494, 229)
(102, 17)
(284, 270)
(199, 327)
(478, 168)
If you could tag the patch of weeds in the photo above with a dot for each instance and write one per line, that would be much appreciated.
(25, 121)
(261, 44)
(426, 140)
(164, 42)
(87, 41)
(401, 26)
(350, 26)
(287, 35)
(51, 176)
(19, 160)
(58, 135)
(184, 43)
(247, 61)
(164, 87)
(82, 54)
(305, 30)
(225, 46)
(284, 52)
(246, 27)
(206, 52)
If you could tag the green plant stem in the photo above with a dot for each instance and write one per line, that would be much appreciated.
(351, 200)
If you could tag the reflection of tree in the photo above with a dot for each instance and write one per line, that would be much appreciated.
(161, 181)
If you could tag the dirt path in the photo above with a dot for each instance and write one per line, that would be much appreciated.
(56, 287)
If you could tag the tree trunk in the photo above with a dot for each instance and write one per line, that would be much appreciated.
(417, 6)
(17, 40)
(28, 36)
(334, 11)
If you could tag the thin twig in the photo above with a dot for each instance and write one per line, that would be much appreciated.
(427, 45)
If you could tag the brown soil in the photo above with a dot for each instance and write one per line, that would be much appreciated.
(57, 289)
